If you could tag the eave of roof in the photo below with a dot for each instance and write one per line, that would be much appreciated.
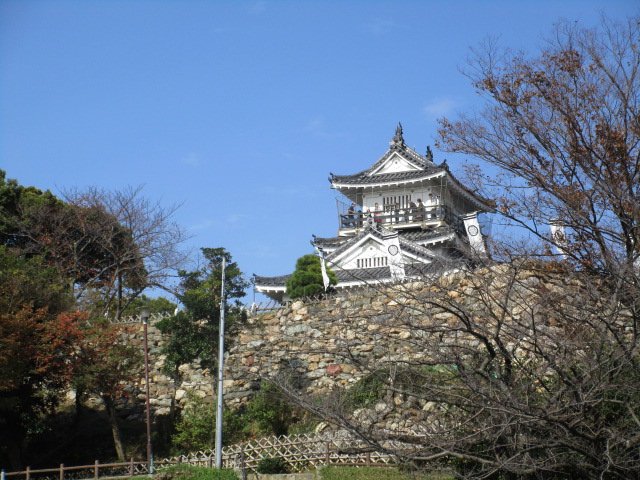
(329, 242)
(265, 282)
(356, 181)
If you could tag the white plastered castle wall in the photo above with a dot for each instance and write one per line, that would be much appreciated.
(371, 253)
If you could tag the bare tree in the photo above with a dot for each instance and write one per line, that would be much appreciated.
(563, 128)
(526, 368)
(141, 245)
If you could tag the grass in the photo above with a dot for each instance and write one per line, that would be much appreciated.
(189, 472)
(377, 473)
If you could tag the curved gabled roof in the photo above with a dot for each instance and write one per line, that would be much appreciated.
(424, 168)
(365, 178)
(418, 168)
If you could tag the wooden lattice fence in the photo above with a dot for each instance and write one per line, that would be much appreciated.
(137, 319)
(301, 452)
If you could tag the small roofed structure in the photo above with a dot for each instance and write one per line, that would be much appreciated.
(403, 217)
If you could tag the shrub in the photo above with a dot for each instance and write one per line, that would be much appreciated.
(273, 465)
(195, 429)
(268, 413)
(366, 391)
(306, 424)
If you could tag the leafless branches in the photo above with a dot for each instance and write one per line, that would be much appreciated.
(142, 244)
(526, 369)
(564, 129)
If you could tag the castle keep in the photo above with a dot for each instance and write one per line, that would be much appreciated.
(402, 218)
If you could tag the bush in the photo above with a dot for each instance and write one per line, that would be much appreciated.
(305, 424)
(268, 413)
(195, 428)
(367, 391)
(189, 472)
(273, 465)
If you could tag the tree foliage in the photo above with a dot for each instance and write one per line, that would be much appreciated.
(37, 341)
(192, 334)
(94, 252)
(195, 428)
(306, 280)
(107, 363)
(269, 412)
(142, 247)
(107, 246)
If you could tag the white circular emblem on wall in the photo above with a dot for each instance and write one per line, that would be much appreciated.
(393, 249)
(473, 230)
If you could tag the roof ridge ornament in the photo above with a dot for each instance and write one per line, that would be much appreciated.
(398, 140)
(429, 154)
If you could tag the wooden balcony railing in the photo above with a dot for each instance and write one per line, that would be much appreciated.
(396, 217)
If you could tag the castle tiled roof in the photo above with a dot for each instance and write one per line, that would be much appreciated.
(419, 236)
(329, 242)
(374, 230)
(344, 276)
(278, 281)
(366, 177)
(410, 235)
(412, 270)
(415, 249)
(363, 274)
(425, 170)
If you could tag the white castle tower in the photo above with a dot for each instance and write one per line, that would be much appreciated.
(403, 217)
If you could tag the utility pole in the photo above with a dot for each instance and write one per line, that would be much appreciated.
(220, 372)
(145, 319)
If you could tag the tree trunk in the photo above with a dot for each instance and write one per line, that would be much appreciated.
(115, 428)
(14, 455)
(79, 407)
(119, 299)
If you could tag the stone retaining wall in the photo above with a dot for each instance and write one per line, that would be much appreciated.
(306, 337)
(321, 341)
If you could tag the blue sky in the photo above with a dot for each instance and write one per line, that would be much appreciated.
(239, 110)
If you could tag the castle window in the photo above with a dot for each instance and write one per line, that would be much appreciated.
(372, 262)
(396, 202)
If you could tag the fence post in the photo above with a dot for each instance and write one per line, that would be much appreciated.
(62, 471)
(210, 461)
(131, 467)
(28, 471)
(2, 476)
(368, 459)
(95, 470)
(243, 467)
(327, 455)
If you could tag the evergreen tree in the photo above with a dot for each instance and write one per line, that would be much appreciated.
(306, 280)
(193, 332)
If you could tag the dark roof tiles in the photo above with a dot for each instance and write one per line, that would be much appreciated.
(367, 176)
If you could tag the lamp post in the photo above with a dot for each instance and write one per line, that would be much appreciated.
(220, 373)
(145, 318)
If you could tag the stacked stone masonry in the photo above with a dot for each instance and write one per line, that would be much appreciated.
(322, 341)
